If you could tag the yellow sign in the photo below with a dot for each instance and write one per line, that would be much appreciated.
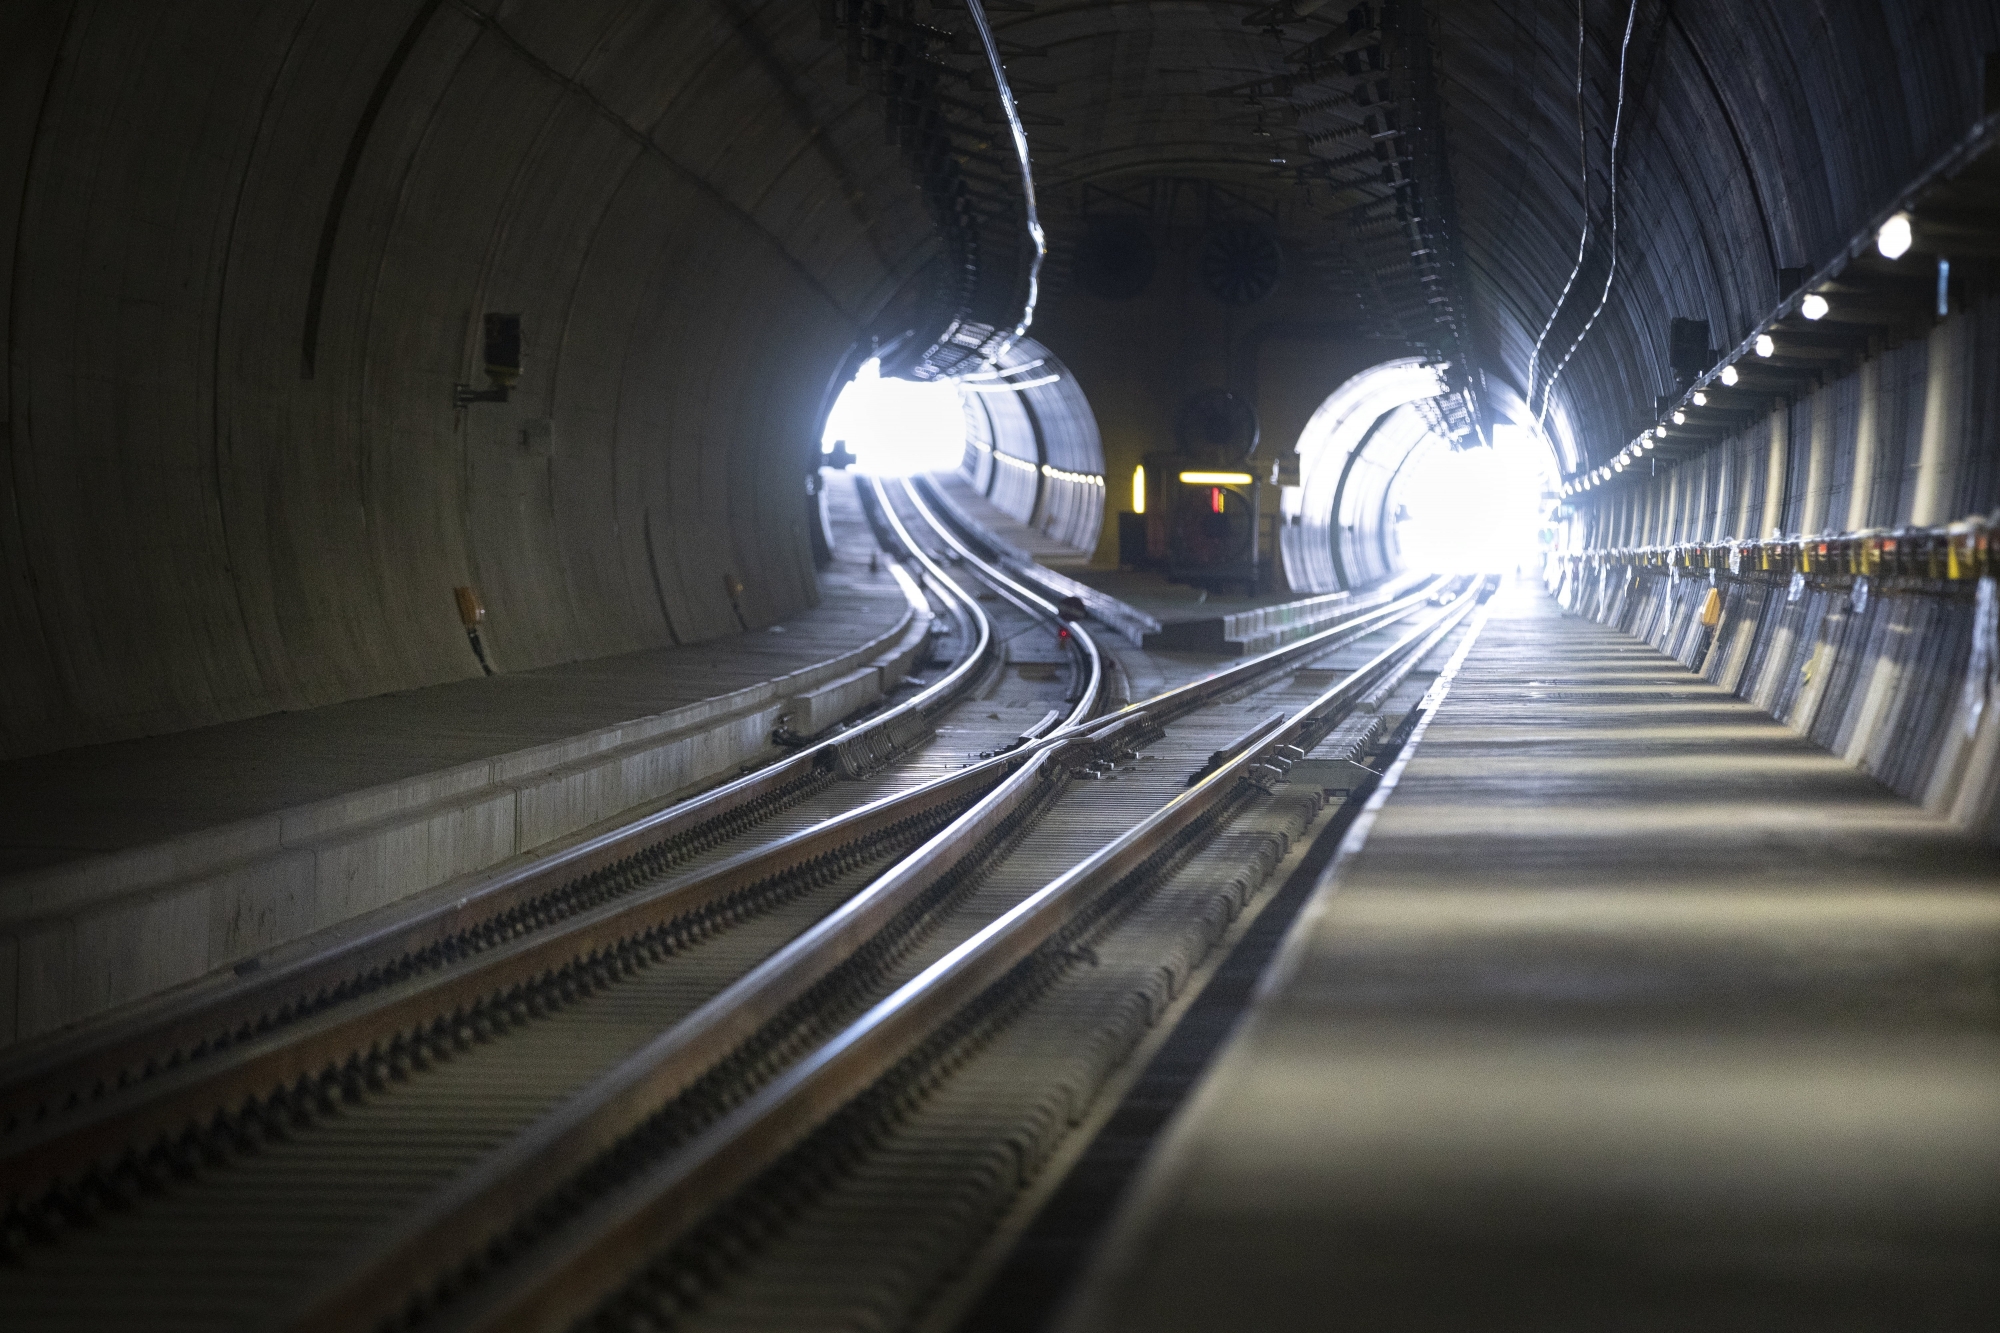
(1711, 609)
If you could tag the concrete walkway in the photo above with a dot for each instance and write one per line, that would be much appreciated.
(1635, 1011)
(76, 803)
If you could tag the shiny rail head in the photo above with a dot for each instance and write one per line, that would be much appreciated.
(671, 1198)
(1075, 638)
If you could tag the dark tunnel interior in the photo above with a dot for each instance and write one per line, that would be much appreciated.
(501, 500)
(251, 249)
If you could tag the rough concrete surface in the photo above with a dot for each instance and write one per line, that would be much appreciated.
(1635, 1011)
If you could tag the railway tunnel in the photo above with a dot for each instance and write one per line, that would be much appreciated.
(1014, 665)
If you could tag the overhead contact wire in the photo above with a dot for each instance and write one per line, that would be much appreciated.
(1617, 118)
(1037, 240)
(1583, 241)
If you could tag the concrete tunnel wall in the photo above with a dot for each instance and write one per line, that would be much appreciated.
(1754, 137)
(250, 247)
(1338, 527)
(697, 216)
(249, 244)
(1889, 680)
(1035, 452)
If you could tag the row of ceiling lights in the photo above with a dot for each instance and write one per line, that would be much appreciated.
(1893, 240)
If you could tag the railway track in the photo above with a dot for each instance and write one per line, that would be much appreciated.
(897, 749)
(453, 1141)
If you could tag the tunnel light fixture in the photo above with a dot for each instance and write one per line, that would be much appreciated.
(1055, 473)
(1007, 386)
(1814, 306)
(1660, 431)
(1139, 489)
(1215, 478)
(1700, 398)
(1895, 238)
(1766, 345)
(1680, 417)
(1729, 375)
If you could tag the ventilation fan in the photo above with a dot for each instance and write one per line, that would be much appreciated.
(1240, 264)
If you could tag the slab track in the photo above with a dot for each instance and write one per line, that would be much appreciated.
(446, 1136)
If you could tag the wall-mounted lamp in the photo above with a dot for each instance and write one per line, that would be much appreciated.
(1814, 306)
(1895, 237)
(1766, 345)
(503, 361)
(1700, 398)
(1729, 375)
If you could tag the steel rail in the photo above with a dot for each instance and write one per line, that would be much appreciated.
(342, 1048)
(592, 1259)
(1022, 596)
(460, 997)
(466, 1217)
(188, 1028)
(1250, 672)
(593, 1121)
(378, 1024)
(481, 1206)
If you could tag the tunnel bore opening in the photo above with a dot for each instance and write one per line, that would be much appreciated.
(1018, 435)
(891, 427)
(1482, 510)
(1382, 491)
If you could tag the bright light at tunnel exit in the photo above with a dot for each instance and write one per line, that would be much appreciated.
(1478, 510)
(897, 428)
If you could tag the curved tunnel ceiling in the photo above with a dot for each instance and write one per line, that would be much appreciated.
(1754, 137)
(1337, 532)
(250, 247)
